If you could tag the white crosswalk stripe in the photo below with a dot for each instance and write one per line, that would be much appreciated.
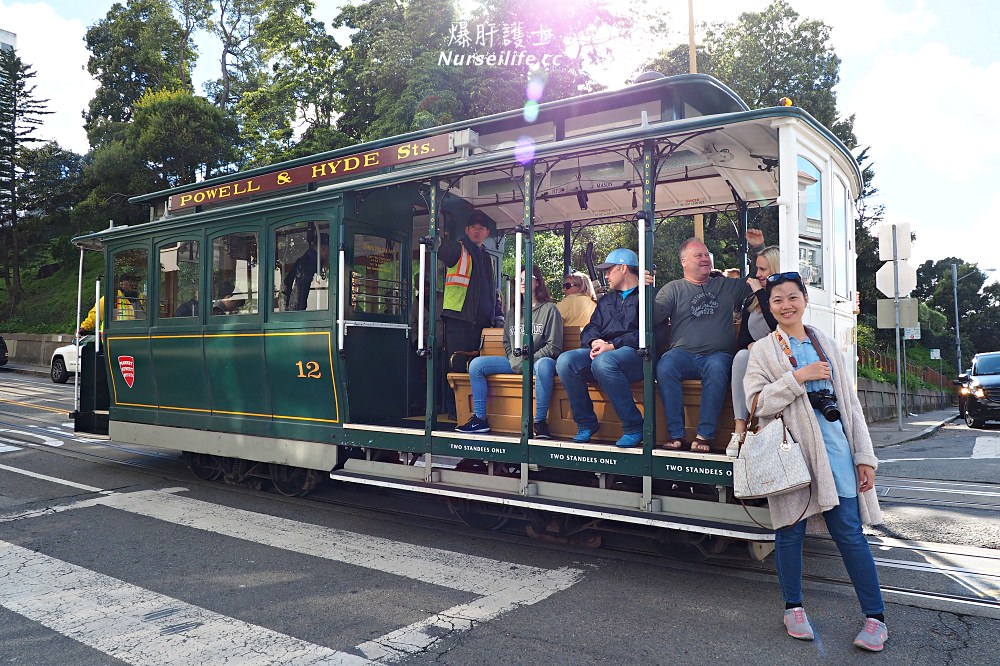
(986, 447)
(139, 626)
(117, 617)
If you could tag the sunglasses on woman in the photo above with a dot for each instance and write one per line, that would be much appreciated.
(568, 285)
(782, 277)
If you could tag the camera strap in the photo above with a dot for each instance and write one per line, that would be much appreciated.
(788, 350)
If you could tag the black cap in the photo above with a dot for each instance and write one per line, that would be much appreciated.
(131, 277)
(478, 217)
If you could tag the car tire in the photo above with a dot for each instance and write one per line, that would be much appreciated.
(973, 422)
(58, 371)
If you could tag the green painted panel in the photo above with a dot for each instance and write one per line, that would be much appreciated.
(715, 472)
(396, 441)
(300, 368)
(376, 371)
(130, 368)
(180, 373)
(611, 462)
(238, 375)
(480, 449)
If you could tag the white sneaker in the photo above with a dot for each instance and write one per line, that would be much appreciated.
(733, 448)
(872, 636)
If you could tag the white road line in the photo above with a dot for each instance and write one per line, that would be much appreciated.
(4, 448)
(986, 447)
(46, 440)
(52, 479)
(457, 571)
(137, 625)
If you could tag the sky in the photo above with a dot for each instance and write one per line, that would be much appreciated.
(922, 77)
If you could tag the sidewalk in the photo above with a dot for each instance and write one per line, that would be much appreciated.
(25, 369)
(887, 433)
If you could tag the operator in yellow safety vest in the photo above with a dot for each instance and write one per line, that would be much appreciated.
(129, 305)
(469, 286)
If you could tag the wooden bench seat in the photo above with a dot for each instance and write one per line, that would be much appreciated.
(503, 405)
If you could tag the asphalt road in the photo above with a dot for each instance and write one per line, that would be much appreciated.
(115, 555)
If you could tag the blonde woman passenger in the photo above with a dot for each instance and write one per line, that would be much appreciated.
(756, 321)
(797, 372)
(579, 300)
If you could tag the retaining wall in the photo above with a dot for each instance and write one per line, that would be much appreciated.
(31, 349)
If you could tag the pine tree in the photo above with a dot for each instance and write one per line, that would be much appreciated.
(20, 116)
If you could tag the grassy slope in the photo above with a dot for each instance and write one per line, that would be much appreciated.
(49, 304)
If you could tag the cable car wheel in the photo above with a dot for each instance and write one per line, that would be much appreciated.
(203, 465)
(293, 481)
(481, 515)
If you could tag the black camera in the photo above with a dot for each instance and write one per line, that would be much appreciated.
(826, 403)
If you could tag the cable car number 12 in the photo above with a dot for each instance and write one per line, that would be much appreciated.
(308, 370)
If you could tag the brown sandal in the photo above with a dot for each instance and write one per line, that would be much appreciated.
(699, 445)
(675, 444)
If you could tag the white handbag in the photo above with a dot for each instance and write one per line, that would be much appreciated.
(770, 462)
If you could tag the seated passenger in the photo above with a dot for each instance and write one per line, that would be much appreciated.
(188, 308)
(702, 342)
(756, 322)
(579, 300)
(229, 302)
(608, 353)
(546, 343)
(299, 280)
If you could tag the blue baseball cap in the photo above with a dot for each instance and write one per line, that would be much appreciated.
(620, 256)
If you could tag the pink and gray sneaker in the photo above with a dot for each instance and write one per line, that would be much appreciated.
(797, 624)
(872, 636)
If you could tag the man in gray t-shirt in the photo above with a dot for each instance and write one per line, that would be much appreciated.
(702, 342)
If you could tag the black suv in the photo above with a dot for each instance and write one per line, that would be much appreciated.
(982, 403)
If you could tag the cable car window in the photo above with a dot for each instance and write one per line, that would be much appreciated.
(180, 278)
(302, 267)
(810, 223)
(841, 238)
(376, 275)
(234, 274)
(131, 281)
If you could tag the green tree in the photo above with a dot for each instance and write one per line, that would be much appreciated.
(48, 189)
(21, 113)
(136, 48)
(179, 136)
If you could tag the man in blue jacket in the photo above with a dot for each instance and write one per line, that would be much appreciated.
(608, 353)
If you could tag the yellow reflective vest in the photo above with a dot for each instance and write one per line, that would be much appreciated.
(456, 282)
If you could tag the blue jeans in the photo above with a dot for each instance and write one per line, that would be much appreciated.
(483, 366)
(712, 369)
(614, 371)
(844, 523)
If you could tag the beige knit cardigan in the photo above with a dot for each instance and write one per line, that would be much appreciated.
(769, 373)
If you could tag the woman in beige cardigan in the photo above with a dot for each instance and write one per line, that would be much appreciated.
(784, 368)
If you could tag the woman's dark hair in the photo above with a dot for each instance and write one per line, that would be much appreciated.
(540, 293)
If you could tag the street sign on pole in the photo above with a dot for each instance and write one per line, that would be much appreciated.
(884, 279)
(885, 311)
(935, 354)
(886, 247)
(911, 333)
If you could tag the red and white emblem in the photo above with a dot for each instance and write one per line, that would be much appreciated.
(127, 365)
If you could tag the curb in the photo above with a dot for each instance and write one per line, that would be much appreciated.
(921, 434)
(25, 370)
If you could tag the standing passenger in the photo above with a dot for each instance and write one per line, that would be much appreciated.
(608, 353)
(702, 342)
(298, 282)
(469, 287)
(579, 300)
(756, 321)
(786, 371)
(546, 343)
